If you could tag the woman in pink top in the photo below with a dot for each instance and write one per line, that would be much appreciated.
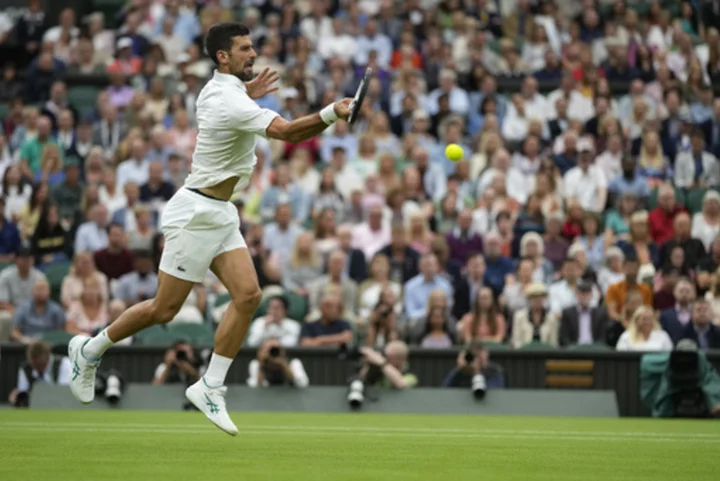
(89, 313)
(486, 322)
(182, 135)
(83, 268)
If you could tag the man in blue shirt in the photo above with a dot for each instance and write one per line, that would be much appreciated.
(329, 330)
(417, 290)
(630, 181)
(498, 266)
(701, 329)
(37, 316)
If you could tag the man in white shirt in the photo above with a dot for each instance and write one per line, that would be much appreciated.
(586, 182)
(373, 40)
(536, 105)
(200, 225)
(136, 168)
(66, 24)
(579, 106)
(91, 236)
(347, 179)
(517, 185)
(275, 325)
(459, 101)
(372, 235)
(317, 25)
(339, 43)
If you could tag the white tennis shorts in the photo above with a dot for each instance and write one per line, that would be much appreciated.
(197, 229)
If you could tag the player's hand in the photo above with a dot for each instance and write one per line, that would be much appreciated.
(263, 84)
(342, 108)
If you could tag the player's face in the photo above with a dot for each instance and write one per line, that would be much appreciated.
(242, 58)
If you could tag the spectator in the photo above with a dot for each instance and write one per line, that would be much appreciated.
(41, 366)
(463, 242)
(280, 236)
(562, 294)
(181, 365)
(32, 149)
(586, 182)
(141, 283)
(513, 296)
(535, 323)
(335, 267)
(88, 314)
(419, 287)
(644, 333)
(136, 168)
(592, 241)
(640, 244)
(274, 325)
(16, 192)
(370, 290)
(30, 214)
(403, 259)
(156, 189)
(83, 268)
(485, 323)
(556, 246)
(664, 297)
(617, 293)
(92, 235)
(283, 192)
(9, 236)
(125, 215)
(700, 329)
(303, 267)
(498, 267)
(583, 324)
(115, 260)
(16, 288)
(706, 224)
(612, 272)
(437, 335)
(373, 234)
(141, 237)
(67, 194)
(675, 319)
(273, 368)
(355, 268)
(393, 366)
(37, 316)
(692, 247)
(697, 167)
(330, 329)
(462, 375)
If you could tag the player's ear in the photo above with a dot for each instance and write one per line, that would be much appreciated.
(222, 56)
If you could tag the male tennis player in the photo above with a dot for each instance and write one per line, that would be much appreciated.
(201, 227)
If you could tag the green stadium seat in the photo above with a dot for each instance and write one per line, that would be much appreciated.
(537, 346)
(4, 110)
(221, 299)
(163, 339)
(596, 346)
(298, 306)
(149, 332)
(56, 337)
(190, 329)
(56, 273)
(83, 98)
(680, 196)
(694, 200)
(497, 346)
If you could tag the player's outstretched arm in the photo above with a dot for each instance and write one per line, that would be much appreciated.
(307, 127)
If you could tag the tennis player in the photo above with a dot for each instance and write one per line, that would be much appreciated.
(201, 227)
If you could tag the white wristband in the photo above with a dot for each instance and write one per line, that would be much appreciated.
(328, 115)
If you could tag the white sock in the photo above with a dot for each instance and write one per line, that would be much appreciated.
(217, 370)
(97, 345)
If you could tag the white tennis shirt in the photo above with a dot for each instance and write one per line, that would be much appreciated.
(228, 121)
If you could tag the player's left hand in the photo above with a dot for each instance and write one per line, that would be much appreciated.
(342, 108)
(263, 84)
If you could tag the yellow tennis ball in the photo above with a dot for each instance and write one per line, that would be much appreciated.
(454, 152)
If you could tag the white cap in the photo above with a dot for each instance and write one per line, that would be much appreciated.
(289, 93)
(124, 42)
(183, 57)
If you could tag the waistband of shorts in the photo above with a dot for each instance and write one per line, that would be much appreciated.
(203, 194)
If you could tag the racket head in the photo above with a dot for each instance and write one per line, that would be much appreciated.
(360, 96)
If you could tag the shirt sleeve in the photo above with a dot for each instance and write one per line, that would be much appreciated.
(253, 370)
(248, 116)
(63, 378)
(4, 290)
(299, 374)
(23, 385)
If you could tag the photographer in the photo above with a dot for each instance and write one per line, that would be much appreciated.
(180, 365)
(473, 361)
(388, 370)
(381, 324)
(41, 366)
(273, 368)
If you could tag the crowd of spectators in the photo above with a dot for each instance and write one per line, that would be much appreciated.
(585, 209)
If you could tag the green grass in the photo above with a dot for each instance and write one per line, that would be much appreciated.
(138, 446)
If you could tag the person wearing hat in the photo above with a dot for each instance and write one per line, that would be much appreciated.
(583, 323)
(535, 324)
(68, 193)
(586, 182)
(696, 167)
(125, 61)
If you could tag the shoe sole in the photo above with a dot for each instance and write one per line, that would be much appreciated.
(73, 354)
(189, 398)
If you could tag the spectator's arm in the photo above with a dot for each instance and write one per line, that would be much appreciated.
(64, 372)
(23, 385)
(300, 377)
(17, 336)
(161, 374)
(254, 374)
(255, 333)
(395, 377)
(345, 337)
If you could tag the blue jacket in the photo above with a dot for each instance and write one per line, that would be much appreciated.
(713, 335)
(672, 325)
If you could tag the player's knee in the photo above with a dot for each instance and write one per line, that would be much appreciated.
(248, 300)
(162, 314)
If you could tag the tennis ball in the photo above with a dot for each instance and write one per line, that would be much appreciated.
(454, 152)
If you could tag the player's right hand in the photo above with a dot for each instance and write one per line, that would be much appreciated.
(342, 108)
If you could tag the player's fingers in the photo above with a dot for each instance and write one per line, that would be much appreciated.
(271, 90)
(261, 75)
(274, 77)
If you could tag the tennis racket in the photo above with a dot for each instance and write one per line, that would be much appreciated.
(359, 96)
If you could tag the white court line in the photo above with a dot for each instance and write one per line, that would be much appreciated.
(371, 431)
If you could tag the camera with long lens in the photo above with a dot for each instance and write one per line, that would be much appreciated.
(181, 355)
(349, 353)
(274, 351)
(478, 385)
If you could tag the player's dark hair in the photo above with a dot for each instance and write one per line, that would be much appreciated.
(220, 37)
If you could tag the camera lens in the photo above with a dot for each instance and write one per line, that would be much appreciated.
(274, 351)
(469, 357)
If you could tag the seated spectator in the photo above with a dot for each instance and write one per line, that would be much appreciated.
(140, 284)
(274, 325)
(664, 297)
(437, 335)
(303, 266)
(112, 197)
(693, 248)
(419, 235)
(462, 375)
(156, 190)
(419, 287)
(562, 294)
(141, 237)
(706, 224)
(49, 242)
(617, 293)
(355, 268)
(535, 323)
(617, 221)
(16, 288)
(370, 290)
(373, 234)
(393, 366)
(335, 267)
(16, 192)
(498, 267)
(583, 324)
(532, 247)
(30, 214)
(116, 259)
(326, 239)
(572, 228)
(513, 296)
(381, 323)
(485, 323)
(639, 243)
(181, 365)
(9, 235)
(125, 215)
(586, 182)
(329, 330)
(92, 235)
(675, 319)
(41, 365)
(644, 333)
(612, 272)
(462, 241)
(284, 192)
(469, 285)
(88, 314)
(83, 268)
(661, 218)
(273, 368)
(593, 241)
(37, 316)
(696, 167)
(279, 237)
(700, 329)
(617, 326)
(556, 246)
(404, 260)
(192, 310)
(51, 170)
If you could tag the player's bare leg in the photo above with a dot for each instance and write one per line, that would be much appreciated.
(85, 352)
(236, 271)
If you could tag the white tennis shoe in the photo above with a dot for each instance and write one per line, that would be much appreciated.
(82, 377)
(211, 401)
